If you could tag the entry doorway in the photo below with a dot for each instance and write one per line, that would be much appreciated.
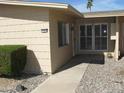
(94, 37)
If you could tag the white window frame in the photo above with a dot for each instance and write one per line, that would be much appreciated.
(93, 36)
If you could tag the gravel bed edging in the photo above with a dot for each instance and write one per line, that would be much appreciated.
(30, 82)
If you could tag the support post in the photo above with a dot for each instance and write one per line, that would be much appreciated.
(117, 39)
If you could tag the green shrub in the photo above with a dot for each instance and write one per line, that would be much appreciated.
(12, 59)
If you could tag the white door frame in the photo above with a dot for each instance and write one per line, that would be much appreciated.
(93, 36)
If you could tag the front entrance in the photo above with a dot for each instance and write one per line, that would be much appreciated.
(94, 37)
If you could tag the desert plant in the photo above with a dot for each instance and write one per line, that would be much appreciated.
(12, 59)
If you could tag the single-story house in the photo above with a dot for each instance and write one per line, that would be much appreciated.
(55, 32)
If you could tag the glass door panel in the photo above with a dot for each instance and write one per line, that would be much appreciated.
(82, 30)
(89, 43)
(89, 30)
(104, 43)
(82, 43)
(104, 30)
(93, 37)
(82, 37)
(97, 30)
(100, 36)
(97, 37)
(86, 37)
(97, 43)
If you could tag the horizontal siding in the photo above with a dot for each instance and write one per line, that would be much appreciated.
(26, 29)
(42, 62)
(46, 68)
(25, 34)
(11, 22)
(23, 27)
(39, 55)
(24, 41)
(39, 47)
(17, 24)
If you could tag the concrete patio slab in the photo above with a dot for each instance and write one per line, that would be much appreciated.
(65, 81)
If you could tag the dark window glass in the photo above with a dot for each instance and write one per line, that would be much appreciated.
(104, 43)
(89, 30)
(63, 34)
(97, 43)
(104, 30)
(97, 30)
(89, 43)
(99, 36)
(60, 39)
(82, 30)
(82, 43)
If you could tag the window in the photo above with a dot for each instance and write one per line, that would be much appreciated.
(86, 37)
(93, 37)
(101, 37)
(63, 34)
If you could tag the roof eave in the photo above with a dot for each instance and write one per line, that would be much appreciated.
(103, 14)
(46, 5)
(75, 11)
(43, 5)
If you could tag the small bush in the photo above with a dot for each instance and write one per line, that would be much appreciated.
(12, 59)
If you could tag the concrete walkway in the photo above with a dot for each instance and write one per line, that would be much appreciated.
(66, 80)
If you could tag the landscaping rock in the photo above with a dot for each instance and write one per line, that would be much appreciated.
(103, 78)
(20, 88)
(23, 84)
(11, 91)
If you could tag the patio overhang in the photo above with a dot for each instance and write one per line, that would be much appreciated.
(114, 13)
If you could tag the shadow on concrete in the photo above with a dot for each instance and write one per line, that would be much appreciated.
(79, 59)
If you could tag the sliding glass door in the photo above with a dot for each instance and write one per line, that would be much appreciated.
(100, 37)
(86, 37)
(93, 37)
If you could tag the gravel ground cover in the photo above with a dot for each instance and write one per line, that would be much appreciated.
(102, 78)
(30, 82)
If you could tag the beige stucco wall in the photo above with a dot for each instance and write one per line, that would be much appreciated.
(59, 55)
(22, 25)
(111, 43)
